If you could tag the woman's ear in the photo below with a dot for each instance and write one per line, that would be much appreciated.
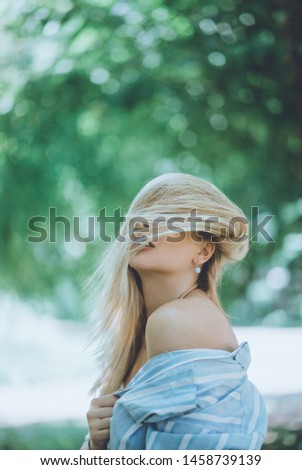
(206, 252)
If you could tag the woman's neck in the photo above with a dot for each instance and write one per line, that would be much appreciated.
(159, 290)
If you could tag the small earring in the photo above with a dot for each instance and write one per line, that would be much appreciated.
(197, 269)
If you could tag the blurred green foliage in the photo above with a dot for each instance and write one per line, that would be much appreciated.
(69, 435)
(44, 436)
(99, 96)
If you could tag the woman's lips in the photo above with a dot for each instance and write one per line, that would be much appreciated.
(144, 247)
(142, 241)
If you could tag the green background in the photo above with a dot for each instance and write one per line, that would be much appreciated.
(97, 97)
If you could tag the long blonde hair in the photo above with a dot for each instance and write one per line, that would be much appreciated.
(118, 317)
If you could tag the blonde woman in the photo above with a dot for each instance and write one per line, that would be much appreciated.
(172, 374)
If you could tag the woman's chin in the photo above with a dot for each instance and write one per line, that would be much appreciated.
(142, 249)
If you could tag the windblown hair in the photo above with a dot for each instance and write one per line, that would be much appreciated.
(118, 318)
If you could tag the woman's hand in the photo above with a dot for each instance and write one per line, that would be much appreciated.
(98, 417)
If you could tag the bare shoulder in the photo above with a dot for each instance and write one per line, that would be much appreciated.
(188, 324)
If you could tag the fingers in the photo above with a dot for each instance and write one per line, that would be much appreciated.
(98, 422)
(100, 425)
(100, 413)
(103, 435)
(100, 437)
(98, 417)
(104, 423)
(101, 408)
(105, 400)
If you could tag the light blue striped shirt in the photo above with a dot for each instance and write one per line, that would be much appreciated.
(190, 399)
